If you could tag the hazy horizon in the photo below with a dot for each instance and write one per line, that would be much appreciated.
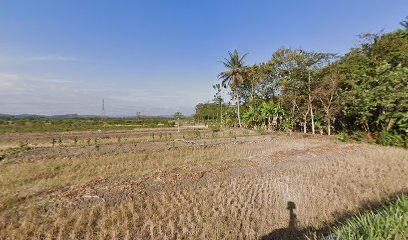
(158, 57)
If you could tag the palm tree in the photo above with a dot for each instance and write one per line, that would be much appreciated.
(234, 77)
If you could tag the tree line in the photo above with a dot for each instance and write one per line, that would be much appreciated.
(364, 91)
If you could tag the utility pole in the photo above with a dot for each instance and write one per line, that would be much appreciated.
(103, 107)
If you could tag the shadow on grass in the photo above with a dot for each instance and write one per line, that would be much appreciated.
(293, 232)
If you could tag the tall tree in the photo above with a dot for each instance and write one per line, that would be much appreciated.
(327, 94)
(218, 98)
(234, 77)
(375, 91)
(178, 116)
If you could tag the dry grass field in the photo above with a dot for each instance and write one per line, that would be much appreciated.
(160, 184)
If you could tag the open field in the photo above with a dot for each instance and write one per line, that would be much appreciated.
(160, 184)
(42, 124)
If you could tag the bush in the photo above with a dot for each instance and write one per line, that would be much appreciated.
(392, 139)
(342, 137)
(215, 127)
(359, 136)
(389, 222)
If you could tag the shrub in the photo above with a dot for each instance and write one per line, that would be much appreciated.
(359, 136)
(215, 128)
(389, 222)
(392, 139)
(342, 137)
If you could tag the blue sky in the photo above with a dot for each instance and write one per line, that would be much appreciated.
(158, 57)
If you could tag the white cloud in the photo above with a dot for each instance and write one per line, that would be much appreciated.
(33, 94)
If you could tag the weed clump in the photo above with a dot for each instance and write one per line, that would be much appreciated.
(389, 222)
(359, 136)
(343, 137)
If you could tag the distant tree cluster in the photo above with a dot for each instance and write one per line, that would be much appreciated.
(366, 90)
(208, 111)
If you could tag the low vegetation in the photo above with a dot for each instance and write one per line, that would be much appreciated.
(389, 222)
(10, 125)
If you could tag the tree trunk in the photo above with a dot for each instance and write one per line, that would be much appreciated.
(252, 91)
(221, 114)
(304, 124)
(239, 116)
(328, 121)
(311, 108)
(292, 120)
(328, 128)
(312, 118)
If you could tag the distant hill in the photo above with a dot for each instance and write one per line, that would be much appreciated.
(69, 116)
(35, 116)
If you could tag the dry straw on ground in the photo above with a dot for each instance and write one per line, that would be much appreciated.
(235, 188)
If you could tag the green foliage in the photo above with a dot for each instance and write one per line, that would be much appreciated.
(215, 127)
(359, 136)
(251, 117)
(178, 115)
(229, 118)
(267, 114)
(79, 124)
(392, 139)
(235, 66)
(389, 222)
(374, 95)
(364, 91)
(208, 111)
(234, 77)
(12, 151)
(343, 137)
